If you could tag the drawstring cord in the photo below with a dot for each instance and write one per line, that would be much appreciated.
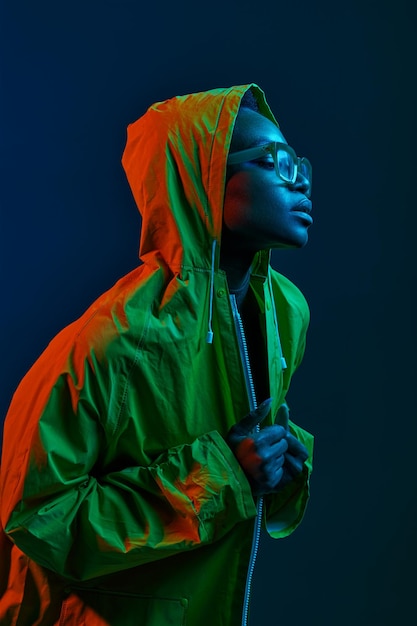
(209, 338)
(283, 361)
(210, 334)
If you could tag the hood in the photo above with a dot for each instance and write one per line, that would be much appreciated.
(175, 162)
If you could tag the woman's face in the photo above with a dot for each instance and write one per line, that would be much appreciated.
(260, 210)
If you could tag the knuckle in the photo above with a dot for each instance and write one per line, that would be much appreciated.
(280, 460)
(284, 445)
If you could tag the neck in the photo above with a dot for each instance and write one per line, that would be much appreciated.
(238, 272)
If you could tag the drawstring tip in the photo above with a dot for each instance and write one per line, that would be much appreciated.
(209, 338)
(283, 363)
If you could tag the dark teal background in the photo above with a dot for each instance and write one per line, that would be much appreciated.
(340, 78)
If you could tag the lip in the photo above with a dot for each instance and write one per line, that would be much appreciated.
(303, 210)
(304, 216)
(304, 206)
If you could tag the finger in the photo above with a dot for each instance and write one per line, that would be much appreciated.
(275, 478)
(282, 416)
(293, 463)
(271, 466)
(296, 448)
(248, 423)
(270, 435)
(278, 477)
(268, 483)
(269, 451)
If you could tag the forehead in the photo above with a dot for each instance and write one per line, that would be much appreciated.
(252, 129)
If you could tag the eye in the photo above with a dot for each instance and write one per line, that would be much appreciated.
(265, 163)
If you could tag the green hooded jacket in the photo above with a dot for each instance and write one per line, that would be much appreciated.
(121, 503)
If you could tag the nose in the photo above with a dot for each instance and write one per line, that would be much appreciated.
(302, 184)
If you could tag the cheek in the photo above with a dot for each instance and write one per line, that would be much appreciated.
(237, 200)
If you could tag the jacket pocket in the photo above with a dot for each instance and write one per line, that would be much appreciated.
(100, 607)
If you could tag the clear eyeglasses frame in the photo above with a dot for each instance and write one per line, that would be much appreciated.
(287, 163)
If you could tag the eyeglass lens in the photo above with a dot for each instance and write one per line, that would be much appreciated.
(286, 166)
(305, 170)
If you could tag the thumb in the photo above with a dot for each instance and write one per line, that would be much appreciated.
(283, 416)
(248, 423)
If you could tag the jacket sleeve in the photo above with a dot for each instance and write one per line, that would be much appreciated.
(285, 510)
(72, 519)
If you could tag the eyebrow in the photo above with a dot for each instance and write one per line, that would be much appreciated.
(261, 141)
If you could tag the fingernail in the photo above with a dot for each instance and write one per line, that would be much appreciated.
(266, 404)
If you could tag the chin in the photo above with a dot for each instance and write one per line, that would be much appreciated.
(293, 243)
(300, 239)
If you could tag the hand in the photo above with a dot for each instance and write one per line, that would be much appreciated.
(270, 458)
(296, 454)
(261, 454)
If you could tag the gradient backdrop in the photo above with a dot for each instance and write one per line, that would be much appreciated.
(340, 78)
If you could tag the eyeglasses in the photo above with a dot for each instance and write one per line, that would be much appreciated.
(286, 163)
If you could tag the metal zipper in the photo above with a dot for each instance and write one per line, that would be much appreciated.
(243, 348)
